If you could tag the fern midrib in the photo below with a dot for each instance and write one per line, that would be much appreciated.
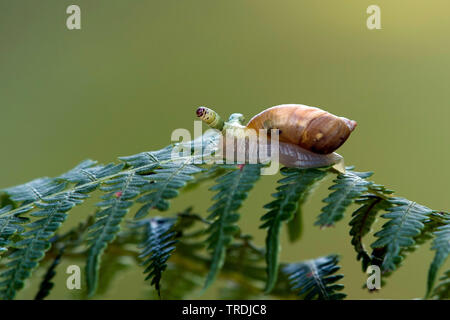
(318, 280)
(230, 198)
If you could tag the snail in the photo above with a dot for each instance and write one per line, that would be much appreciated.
(308, 136)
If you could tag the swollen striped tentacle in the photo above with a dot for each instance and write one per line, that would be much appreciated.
(210, 117)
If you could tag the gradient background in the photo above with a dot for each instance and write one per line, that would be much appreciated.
(138, 69)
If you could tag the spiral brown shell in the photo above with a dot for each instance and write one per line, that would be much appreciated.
(311, 128)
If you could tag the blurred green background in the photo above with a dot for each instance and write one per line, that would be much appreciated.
(138, 69)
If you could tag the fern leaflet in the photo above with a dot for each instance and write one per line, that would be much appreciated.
(232, 189)
(10, 224)
(292, 187)
(115, 205)
(348, 187)
(31, 249)
(362, 220)
(157, 247)
(315, 279)
(406, 220)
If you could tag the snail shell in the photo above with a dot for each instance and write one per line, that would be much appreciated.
(310, 128)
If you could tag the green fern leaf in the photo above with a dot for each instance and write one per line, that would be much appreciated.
(164, 185)
(35, 190)
(441, 245)
(315, 279)
(232, 189)
(362, 220)
(348, 187)
(406, 221)
(30, 250)
(157, 247)
(116, 202)
(292, 187)
(11, 224)
(169, 173)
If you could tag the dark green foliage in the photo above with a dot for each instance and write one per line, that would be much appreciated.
(362, 221)
(406, 220)
(348, 187)
(156, 247)
(441, 245)
(31, 216)
(232, 189)
(293, 187)
(316, 279)
(295, 226)
(35, 240)
(47, 285)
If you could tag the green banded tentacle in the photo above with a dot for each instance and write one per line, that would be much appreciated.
(210, 117)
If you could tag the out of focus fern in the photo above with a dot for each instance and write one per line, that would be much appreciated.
(315, 279)
(157, 246)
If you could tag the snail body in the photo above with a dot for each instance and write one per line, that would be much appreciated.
(307, 136)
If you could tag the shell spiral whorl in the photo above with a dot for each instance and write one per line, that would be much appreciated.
(311, 128)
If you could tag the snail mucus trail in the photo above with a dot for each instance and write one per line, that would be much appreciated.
(307, 136)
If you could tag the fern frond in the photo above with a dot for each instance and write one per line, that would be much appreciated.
(294, 226)
(157, 247)
(118, 199)
(292, 187)
(441, 245)
(170, 172)
(10, 224)
(34, 190)
(406, 220)
(315, 279)
(362, 220)
(47, 285)
(232, 189)
(164, 185)
(442, 290)
(347, 187)
(51, 214)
